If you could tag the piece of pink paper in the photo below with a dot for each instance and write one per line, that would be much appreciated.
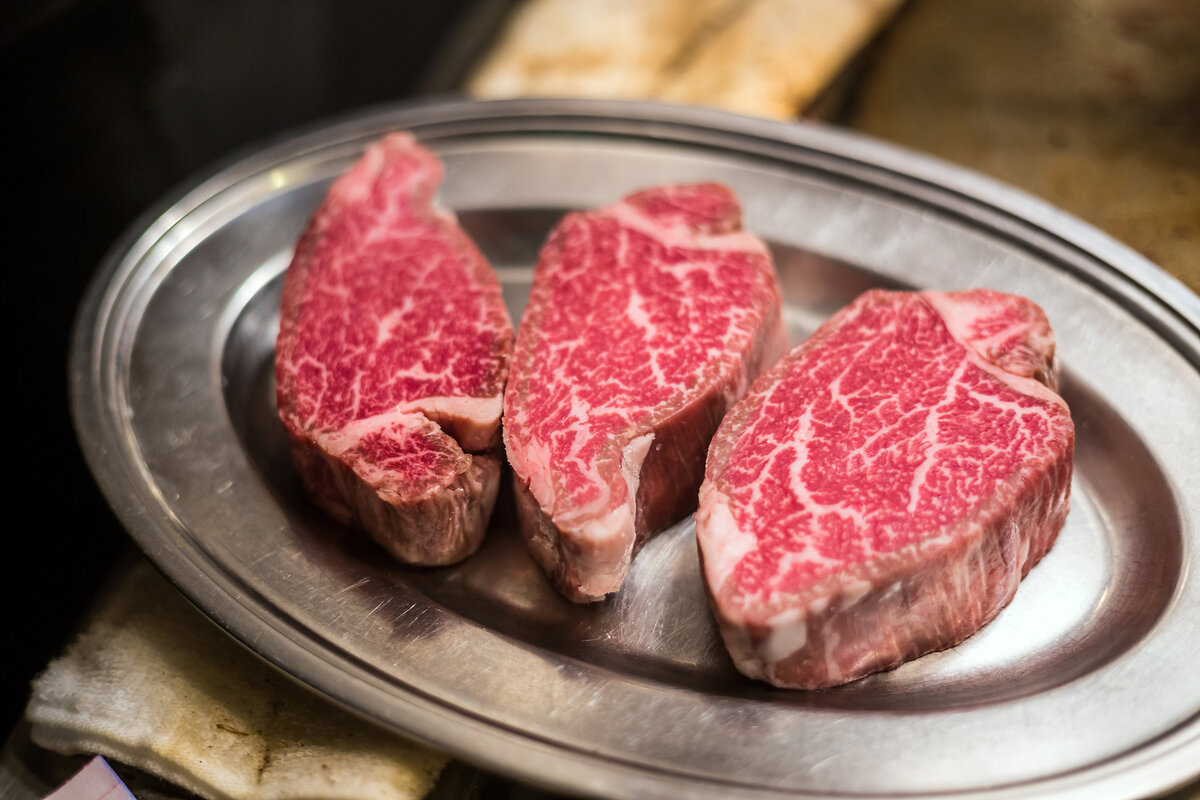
(96, 781)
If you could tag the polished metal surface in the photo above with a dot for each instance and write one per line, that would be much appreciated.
(1086, 686)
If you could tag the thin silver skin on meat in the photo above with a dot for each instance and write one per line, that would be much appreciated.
(860, 509)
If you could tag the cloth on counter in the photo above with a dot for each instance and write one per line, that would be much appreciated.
(153, 684)
(774, 59)
(769, 58)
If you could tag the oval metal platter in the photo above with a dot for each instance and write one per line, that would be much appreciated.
(1086, 686)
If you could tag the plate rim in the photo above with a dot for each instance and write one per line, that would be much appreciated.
(89, 406)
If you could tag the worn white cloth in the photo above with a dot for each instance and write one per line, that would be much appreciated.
(153, 684)
(767, 58)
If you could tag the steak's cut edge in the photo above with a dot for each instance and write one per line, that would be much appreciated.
(651, 462)
(873, 613)
(392, 404)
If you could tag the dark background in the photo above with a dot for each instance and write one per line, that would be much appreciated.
(107, 105)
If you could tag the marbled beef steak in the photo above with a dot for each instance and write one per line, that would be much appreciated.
(879, 493)
(391, 360)
(647, 320)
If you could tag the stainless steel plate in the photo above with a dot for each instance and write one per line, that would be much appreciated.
(1086, 686)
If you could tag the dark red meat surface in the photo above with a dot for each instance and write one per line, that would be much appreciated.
(391, 360)
(647, 320)
(881, 491)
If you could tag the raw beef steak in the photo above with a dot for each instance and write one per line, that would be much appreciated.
(391, 360)
(647, 320)
(878, 494)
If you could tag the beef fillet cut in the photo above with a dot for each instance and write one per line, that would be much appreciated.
(646, 321)
(879, 493)
(391, 360)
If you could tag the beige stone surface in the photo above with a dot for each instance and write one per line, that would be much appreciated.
(1093, 105)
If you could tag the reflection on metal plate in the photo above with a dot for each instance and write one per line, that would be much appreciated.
(1085, 686)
